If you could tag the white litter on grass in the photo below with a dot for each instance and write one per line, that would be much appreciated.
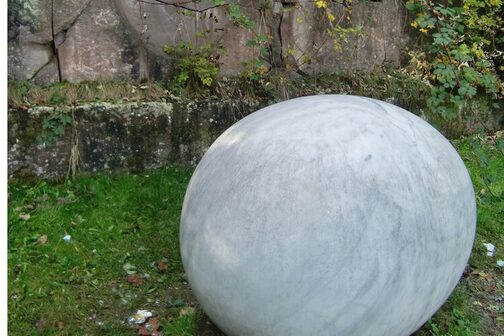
(67, 238)
(140, 317)
(490, 249)
(129, 268)
(500, 263)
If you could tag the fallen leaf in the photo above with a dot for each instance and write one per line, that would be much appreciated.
(161, 266)
(150, 328)
(42, 240)
(186, 311)
(61, 201)
(135, 279)
(18, 209)
(467, 271)
(490, 288)
(24, 216)
(481, 274)
(476, 272)
(41, 324)
(59, 324)
(29, 206)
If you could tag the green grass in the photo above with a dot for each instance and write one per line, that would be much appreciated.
(474, 308)
(113, 222)
(131, 223)
(23, 94)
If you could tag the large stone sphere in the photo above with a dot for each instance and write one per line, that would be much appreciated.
(327, 215)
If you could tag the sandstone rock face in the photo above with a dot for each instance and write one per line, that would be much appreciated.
(296, 27)
(30, 37)
(48, 73)
(27, 58)
(65, 12)
(379, 42)
(156, 25)
(79, 40)
(97, 46)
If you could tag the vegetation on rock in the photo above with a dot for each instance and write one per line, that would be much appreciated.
(463, 55)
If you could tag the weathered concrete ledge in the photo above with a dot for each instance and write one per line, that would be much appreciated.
(114, 138)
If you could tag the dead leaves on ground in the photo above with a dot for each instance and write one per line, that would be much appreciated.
(161, 266)
(42, 240)
(59, 324)
(150, 327)
(135, 279)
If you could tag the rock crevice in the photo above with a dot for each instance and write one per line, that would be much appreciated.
(124, 39)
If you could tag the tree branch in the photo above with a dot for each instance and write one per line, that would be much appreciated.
(180, 4)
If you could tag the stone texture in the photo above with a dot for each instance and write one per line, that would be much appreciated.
(383, 35)
(30, 37)
(26, 58)
(327, 215)
(157, 25)
(117, 138)
(48, 73)
(66, 12)
(97, 46)
(124, 39)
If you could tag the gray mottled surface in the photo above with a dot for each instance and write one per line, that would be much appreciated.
(327, 215)
(119, 138)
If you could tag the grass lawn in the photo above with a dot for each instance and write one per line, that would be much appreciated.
(123, 255)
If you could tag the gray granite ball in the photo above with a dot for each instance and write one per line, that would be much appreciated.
(327, 215)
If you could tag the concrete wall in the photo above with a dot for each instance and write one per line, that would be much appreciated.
(76, 40)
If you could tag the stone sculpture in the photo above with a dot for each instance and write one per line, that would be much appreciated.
(327, 215)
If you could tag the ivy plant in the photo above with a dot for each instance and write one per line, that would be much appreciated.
(54, 126)
(463, 53)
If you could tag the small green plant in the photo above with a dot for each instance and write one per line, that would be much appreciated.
(256, 68)
(461, 58)
(236, 15)
(54, 126)
(197, 66)
(491, 175)
(57, 98)
(17, 93)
